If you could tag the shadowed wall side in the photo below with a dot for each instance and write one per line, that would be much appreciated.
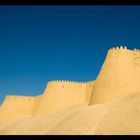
(62, 94)
(119, 75)
(15, 107)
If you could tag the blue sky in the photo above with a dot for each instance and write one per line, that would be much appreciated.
(43, 43)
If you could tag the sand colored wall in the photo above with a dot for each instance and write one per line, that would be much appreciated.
(15, 107)
(119, 75)
(63, 94)
(36, 104)
(57, 95)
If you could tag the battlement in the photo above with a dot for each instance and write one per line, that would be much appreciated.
(63, 86)
(67, 82)
(118, 51)
(17, 97)
(119, 48)
(123, 50)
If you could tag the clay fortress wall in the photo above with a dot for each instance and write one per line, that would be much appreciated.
(119, 76)
(62, 94)
(14, 107)
(58, 95)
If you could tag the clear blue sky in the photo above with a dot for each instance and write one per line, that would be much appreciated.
(43, 43)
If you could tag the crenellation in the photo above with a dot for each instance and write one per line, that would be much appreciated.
(117, 48)
(121, 47)
(17, 97)
(125, 47)
(67, 82)
(122, 51)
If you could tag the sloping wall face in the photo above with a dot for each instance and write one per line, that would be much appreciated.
(62, 94)
(37, 101)
(15, 107)
(119, 75)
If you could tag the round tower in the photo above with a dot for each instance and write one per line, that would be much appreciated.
(119, 75)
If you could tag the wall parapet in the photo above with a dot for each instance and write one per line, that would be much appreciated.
(17, 97)
(67, 81)
(123, 50)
